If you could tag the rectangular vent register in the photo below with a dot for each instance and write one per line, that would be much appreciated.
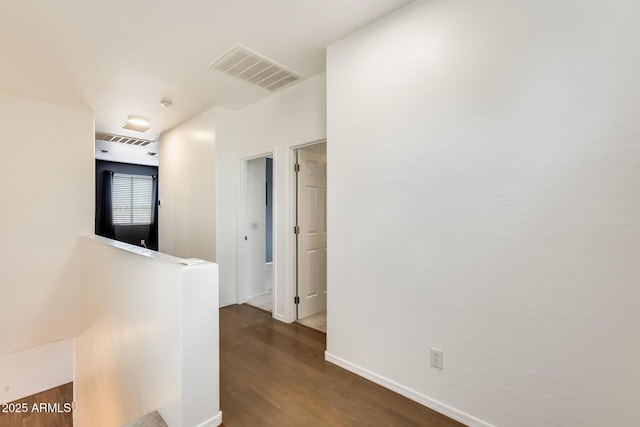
(254, 68)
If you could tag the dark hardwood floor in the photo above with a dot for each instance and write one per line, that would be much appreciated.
(274, 374)
(40, 416)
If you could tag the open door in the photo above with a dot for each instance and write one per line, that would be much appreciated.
(312, 233)
(257, 267)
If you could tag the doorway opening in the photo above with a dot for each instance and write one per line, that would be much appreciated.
(310, 194)
(257, 228)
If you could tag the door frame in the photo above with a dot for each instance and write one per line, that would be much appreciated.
(284, 248)
(241, 273)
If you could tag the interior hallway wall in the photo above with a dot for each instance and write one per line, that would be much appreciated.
(47, 190)
(187, 172)
(293, 116)
(504, 229)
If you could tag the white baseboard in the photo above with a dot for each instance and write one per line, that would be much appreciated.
(226, 303)
(250, 297)
(213, 422)
(427, 401)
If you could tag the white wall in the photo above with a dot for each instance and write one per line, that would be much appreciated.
(30, 371)
(504, 226)
(226, 198)
(149, 338)
(187, 189)
(47, 191)
(290, 117)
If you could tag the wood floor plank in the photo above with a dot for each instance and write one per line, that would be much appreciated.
(52, 414)
(275, 374)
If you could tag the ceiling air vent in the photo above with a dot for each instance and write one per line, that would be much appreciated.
(249, 66)
(122, 139)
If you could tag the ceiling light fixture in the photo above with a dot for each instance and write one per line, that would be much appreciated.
(137, 123)
(166, 103)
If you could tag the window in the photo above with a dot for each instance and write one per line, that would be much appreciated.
(132, 198)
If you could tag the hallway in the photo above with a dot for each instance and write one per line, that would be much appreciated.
(272, 373)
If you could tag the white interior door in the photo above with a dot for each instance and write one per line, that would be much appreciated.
(312, 236)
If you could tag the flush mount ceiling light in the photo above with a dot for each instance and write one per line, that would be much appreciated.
(137, 123)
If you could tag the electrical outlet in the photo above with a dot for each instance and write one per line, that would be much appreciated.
(7, 388)
(436, 357)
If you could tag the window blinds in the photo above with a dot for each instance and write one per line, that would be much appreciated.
(132, 199)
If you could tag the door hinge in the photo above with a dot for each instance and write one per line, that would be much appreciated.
(296, 300)
(296, 167)
(296, 229)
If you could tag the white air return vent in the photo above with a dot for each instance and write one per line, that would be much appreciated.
(249, 66)
(122, 139)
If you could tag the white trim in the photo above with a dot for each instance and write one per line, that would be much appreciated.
(280, 317)
(212, 422)
(308, 144)
(227, 303)
(250, 297)
(276, 252)
(289, 241)
(427, 401)
(276, 255)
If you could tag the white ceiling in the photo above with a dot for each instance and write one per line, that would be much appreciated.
(120, 57)
(124, 153)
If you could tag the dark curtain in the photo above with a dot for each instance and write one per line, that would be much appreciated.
(153, 228)
(106, 215)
